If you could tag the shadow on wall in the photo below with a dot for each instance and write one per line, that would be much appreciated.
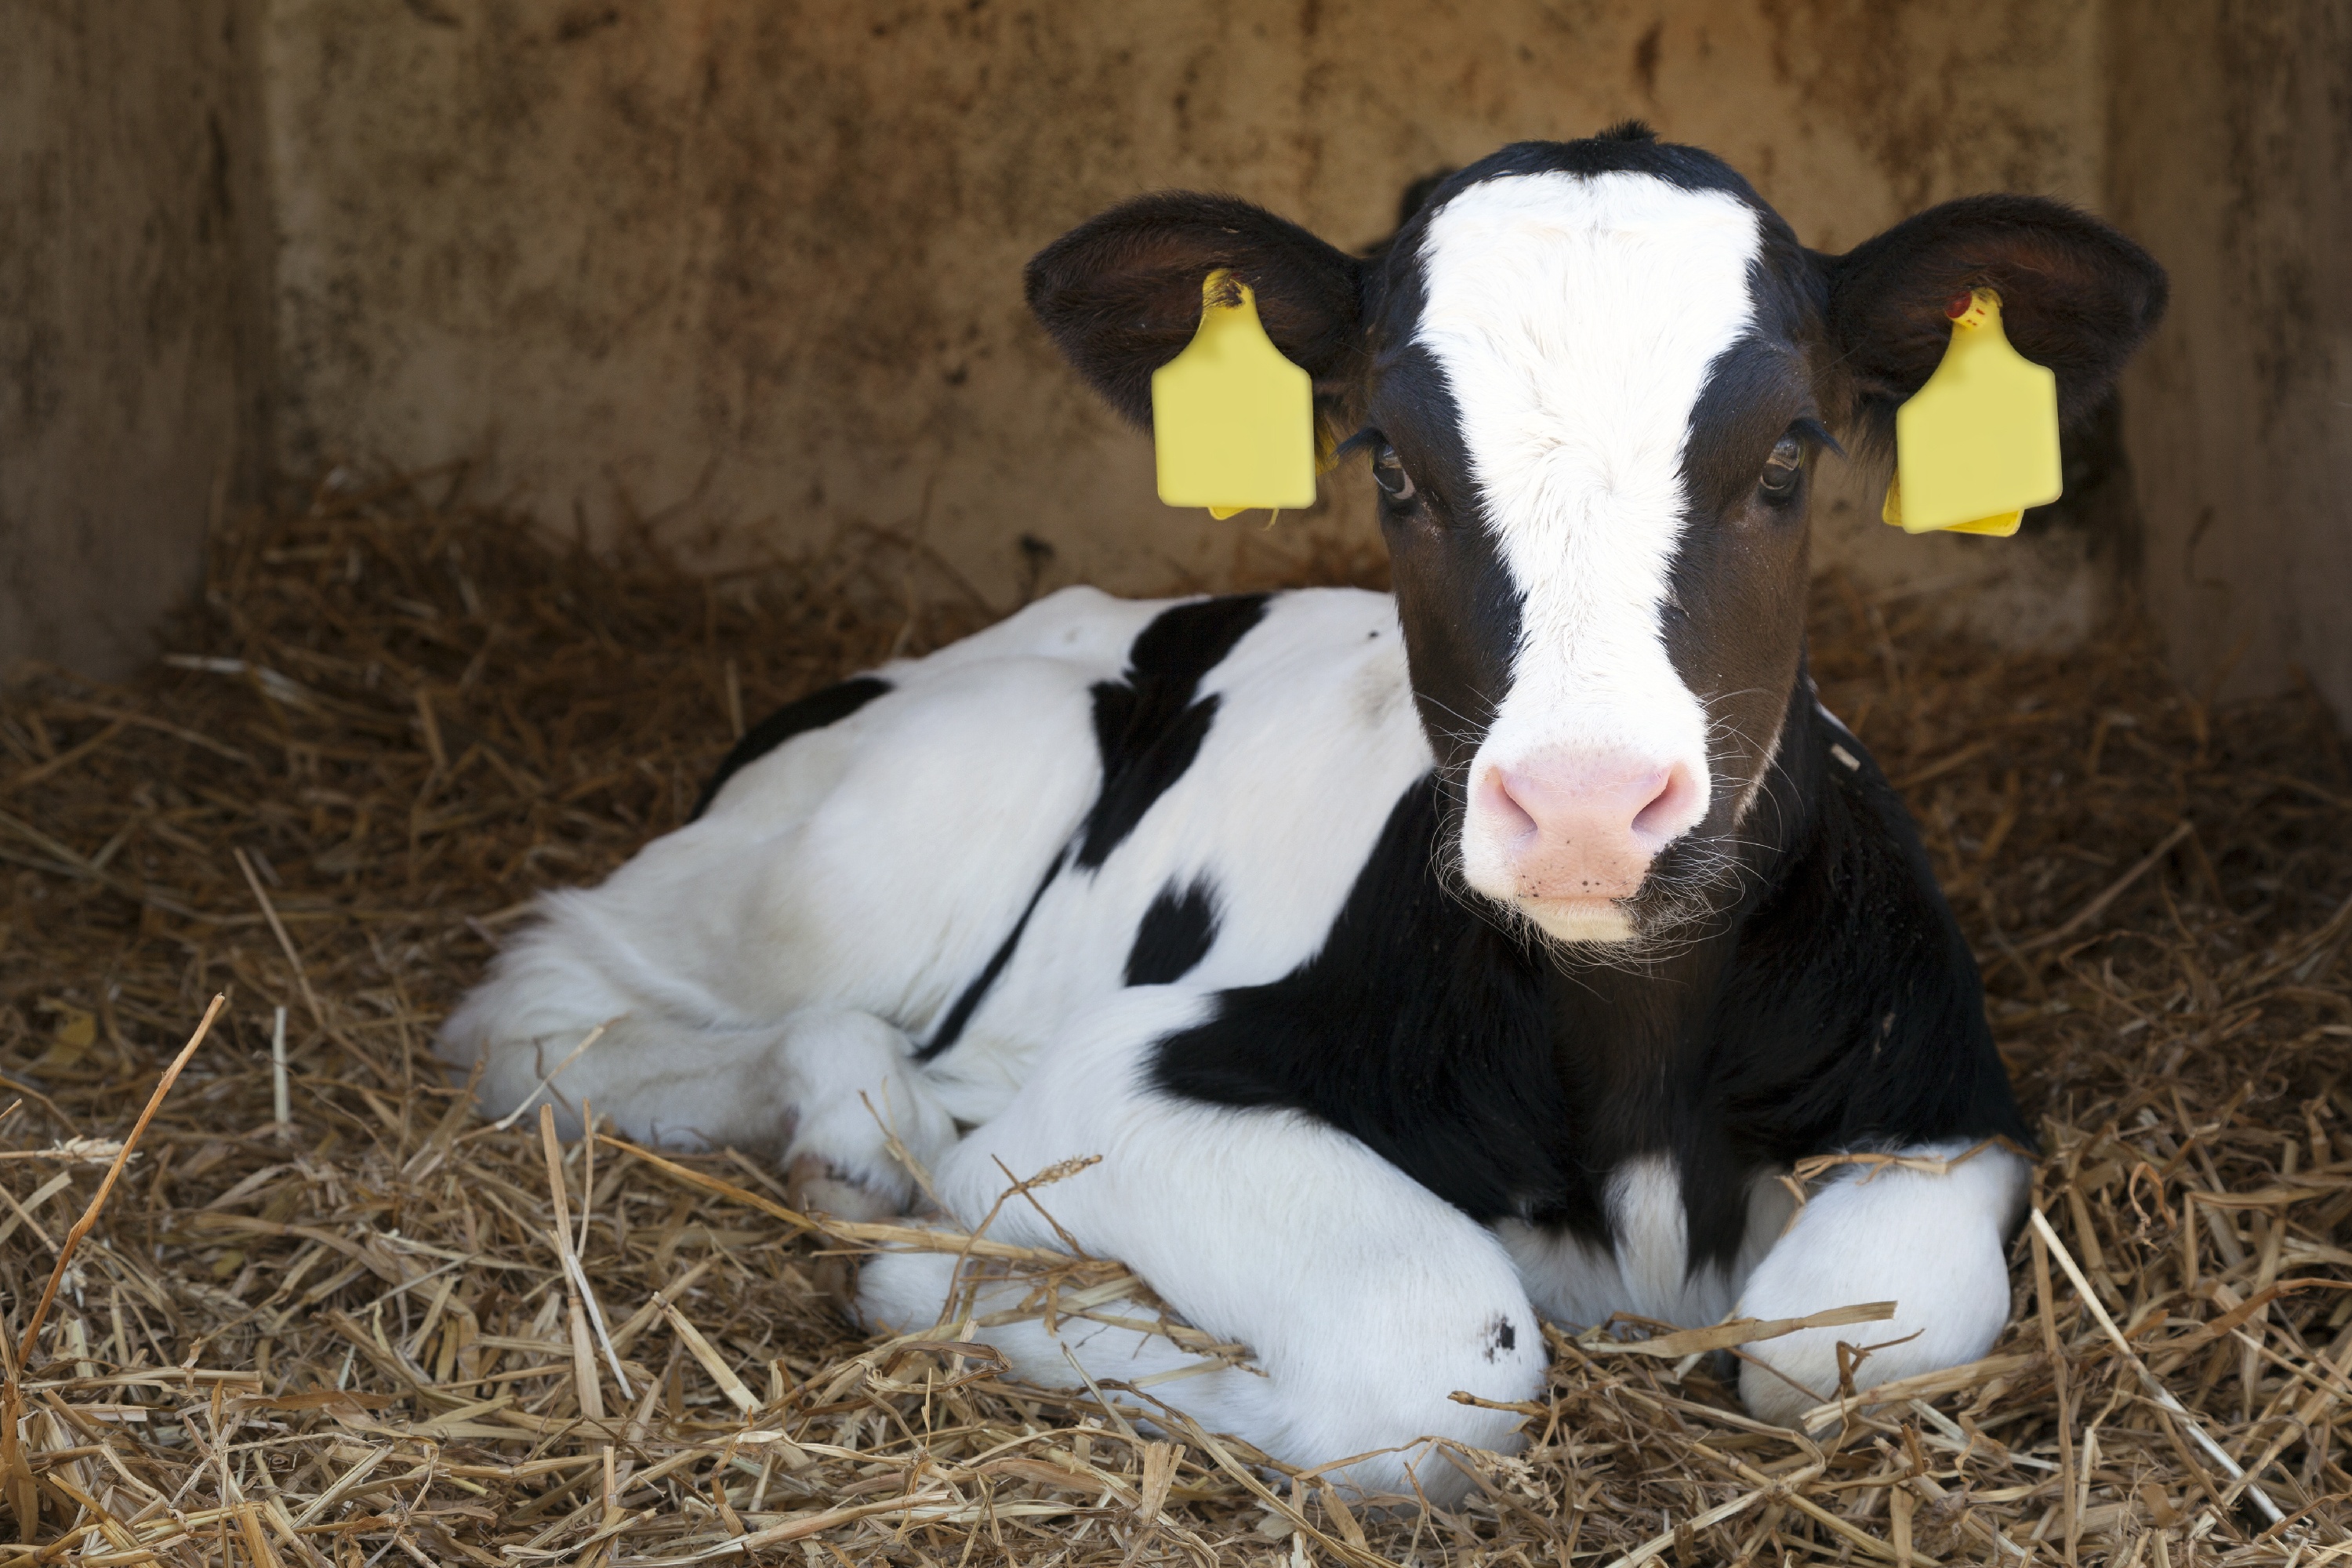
(751, 272)
(758, 269)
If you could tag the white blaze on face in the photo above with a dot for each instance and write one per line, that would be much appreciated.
(1575, 317)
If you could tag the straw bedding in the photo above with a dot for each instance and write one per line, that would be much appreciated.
(382, 1331)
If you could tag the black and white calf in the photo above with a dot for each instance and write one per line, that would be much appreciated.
(1416, 966)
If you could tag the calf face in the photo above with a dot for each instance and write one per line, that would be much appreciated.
(1592, 379)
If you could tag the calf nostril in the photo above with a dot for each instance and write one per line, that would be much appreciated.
(1512, 817)
(1670, 810)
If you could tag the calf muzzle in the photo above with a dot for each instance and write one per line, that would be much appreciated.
(1565, 838)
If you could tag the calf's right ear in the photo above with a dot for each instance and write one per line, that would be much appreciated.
(1120, 294)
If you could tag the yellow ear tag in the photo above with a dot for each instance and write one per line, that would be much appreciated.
(1232, 420)
(1978, 443)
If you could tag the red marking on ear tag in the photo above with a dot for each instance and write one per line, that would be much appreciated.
(1958, 306)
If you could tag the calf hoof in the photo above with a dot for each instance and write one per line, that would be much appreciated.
(813, 1184)
(833, 1286)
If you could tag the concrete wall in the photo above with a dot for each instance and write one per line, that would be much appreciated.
(2233, 162)
(757, 266)
(125, 172)
(753, 269)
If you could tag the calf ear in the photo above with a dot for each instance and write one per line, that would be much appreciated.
(2074, 295)
(1120, 294)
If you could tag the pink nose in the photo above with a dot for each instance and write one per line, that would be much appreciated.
(1587, 827)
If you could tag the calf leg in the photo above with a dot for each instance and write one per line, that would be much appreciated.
(1366, 1301)
(907, 1290)
(821, 1091)
(854, 1083)
(1933, 1245)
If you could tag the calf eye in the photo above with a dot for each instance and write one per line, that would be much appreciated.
(1782, 469)
(1388, 472)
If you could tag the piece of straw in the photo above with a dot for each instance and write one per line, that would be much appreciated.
(584, 1360)
(511, 1117)
(98, 1200)
(282, 1097)
(285, 942)
(2111, 892)
(2149, 1379)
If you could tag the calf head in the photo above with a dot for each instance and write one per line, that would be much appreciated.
(1592, 379)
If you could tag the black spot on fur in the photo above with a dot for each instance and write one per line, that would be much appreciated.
(815, 711)
(1148, 725)
(1149, 728)
(951, 1027)
(1176, 933)
(1418, 1027)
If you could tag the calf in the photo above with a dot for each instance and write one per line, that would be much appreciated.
(1417, 967)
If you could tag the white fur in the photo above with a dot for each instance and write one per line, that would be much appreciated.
(905, 1290)
(1647, 1274)
(1578, 920)
(764, 976)
(854, 1084)
(871, 869)
(1930, 1244)
(1575, 317)
(1646, 1214)
(1365, 1299)
(1314, 738)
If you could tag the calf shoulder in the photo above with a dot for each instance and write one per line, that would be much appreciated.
(1853, 1014)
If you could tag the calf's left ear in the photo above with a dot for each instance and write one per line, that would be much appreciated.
(1120, 294)
(2075, 296)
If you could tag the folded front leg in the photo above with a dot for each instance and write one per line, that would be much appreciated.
(1934, 1245)
(1365, 1301)
(822, 1091)
(854, 1085)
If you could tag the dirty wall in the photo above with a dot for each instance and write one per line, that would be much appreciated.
(758, 266)
(127, 363)
(2232, 147)
(752, 270)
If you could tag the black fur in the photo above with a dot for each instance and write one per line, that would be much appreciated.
(1147, 725)
(815, 711)
(1149, 728)
(951, 1027)
(1454, 594)
(2074, 295)
(1175, 935)
(1839, 1009)
(1687, 168)
(1121, 295)
(1418, 1027)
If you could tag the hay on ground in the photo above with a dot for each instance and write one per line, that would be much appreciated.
(378, 1330)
